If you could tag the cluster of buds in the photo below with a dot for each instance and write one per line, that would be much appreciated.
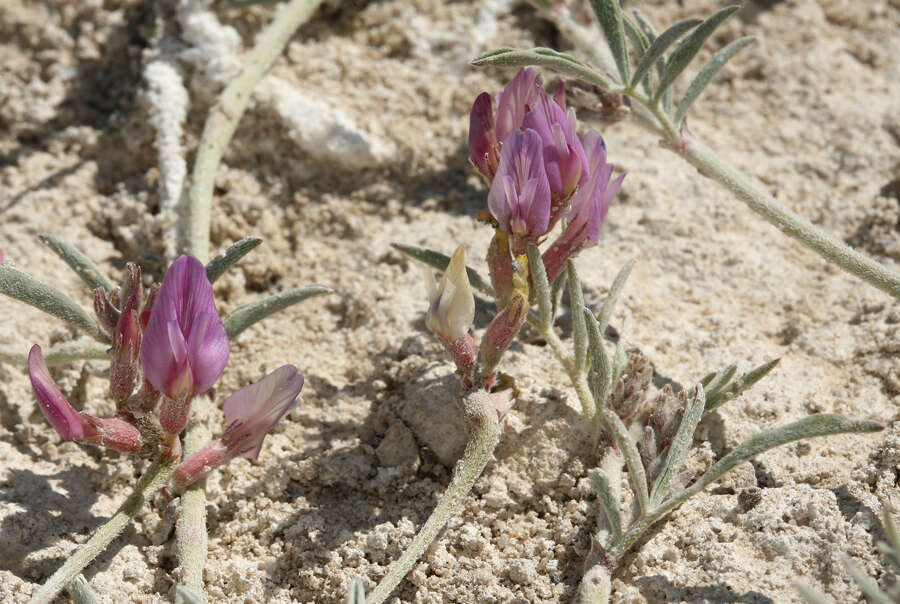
(167, 347)
(540, 172)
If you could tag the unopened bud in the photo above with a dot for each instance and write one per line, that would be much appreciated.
(451, 308)
(502, 331)
(107, 314)
(114, 433)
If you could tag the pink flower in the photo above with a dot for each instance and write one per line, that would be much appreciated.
(185, 347)
(483, 146)
(519, 198)
(250, 413)
(111, 432)
(564, 155)
(589, 207)
(55, 406)
(486, 134)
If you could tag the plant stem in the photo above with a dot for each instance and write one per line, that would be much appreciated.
(223, 119)
(789, 222)
(484, 434)
(577, 376)
(152, 480)
(59, 354)
(190, 532)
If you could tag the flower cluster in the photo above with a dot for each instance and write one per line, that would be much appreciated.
(173, 344)
(540, 170)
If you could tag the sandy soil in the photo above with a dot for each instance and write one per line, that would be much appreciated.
(343, 484)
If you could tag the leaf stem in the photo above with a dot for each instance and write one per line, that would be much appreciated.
(190, 531)
(808, 427)
(484, 435)
(152, 480)
(223, 120)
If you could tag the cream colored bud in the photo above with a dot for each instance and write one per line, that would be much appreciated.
(451, 302)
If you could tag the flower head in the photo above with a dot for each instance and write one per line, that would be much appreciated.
(519, 198)
(451, 309)
(185, 347)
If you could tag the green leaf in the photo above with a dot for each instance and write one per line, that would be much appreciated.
(822, 424)
(685, 52)
(82, 349)
(660, 45)
(891, 549)
(865, 583)
(356, 594)
(227, 257)
(681, 444)
(719, 380)
(609, 15)
(811, 595)
(637, 37)
(80, 591)
(21, 286)
(620, 357)
(440, 261)
(609, 503)
(556, 292)
(186, 595)
(545, 57)
(579, 327)
(89, 272)
(640, 43)
(541, 286)
(601, 375)
(652, 35)
(244, 316)
(708, 72)
(721, 396)
(606, 309)
(629, 450)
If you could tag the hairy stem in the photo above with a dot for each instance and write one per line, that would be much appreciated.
(484, 429)
(742, 186)
(152, 480)
(789, 222)
(223, 120)
(190, 532)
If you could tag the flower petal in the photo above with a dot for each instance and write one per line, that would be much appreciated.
(253, 411)
(184, 305)
(56, 408)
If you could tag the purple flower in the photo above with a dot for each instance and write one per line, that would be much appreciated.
(589, 207)
(185, 347)
(250, 413)
(516, 99)
(55, 406)
(483, 147)
(564, 156)
(519, 198)
(486, 134)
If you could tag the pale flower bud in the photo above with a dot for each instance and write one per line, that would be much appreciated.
(451, 302)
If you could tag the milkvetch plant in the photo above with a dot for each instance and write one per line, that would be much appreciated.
(633, 67)
(169, 347)
(166, 346)
(542, 173)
